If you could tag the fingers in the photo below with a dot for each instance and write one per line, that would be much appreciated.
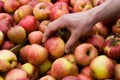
(72, 40)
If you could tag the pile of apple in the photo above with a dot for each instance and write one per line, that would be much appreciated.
(94, 57)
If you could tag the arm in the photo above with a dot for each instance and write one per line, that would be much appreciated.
(79, 24)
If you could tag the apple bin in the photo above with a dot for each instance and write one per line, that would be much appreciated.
(23, 55)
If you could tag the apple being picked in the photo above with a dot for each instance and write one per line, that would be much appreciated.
(16, 34)
(116, 27)
(8, 60)
(82, 5)
(11, 5)
(102, 67)
(112, 47)
(42, 11)
(85, 53)
(61, 67)
(28, 23)
(55, 46)
(59, 9)
(17, 74)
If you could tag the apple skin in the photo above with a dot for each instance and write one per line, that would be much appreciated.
(83, 77)
(47, 77)
(117, 72)
(8, 60)
(70, 77)
(82, 5)
(58, 47)
(36, 54)
(106, 71)
(24, 2)
(32, 3)
(2, 78)
(1, 6)
(41, 11)
(31, 69)
(116, 27)
(11, 5)
(17, 74)
(7, 45)
(1, 38)
(16, 34)
(85, 53)
(61, 67)
(28, 23)
(97, 41)
(43, 25)
(72, 2)
(112, 47)
(22, 12)
(43, 0)
(67, 1)
(97, 2)
(35, 37)
(59, 9)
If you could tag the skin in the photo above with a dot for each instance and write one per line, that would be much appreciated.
(79, 24)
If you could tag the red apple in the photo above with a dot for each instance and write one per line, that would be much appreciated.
(24, 2)
(97, 2)
(72, 2)
(82, 5)
(47, 77)
(7, 45)
(102, 67)
(117, 72)
(11, 5)
(16, 34)
(8, 60)
(83, 77)
(59, 9)
(85, 53)
(1, 6)
(97, 41)
(70, 77)
(112, 47)
(16, 74)
(43, 0)
(116, 27)
(22, 12)
(1, 38)
(32, 3)
(61, 67)
(35, 37)
(55, 46)
(67, 1)
(28, 23)
(42, 11)
(36, 54)
(43, 25)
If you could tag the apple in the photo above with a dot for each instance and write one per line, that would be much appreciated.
(72, 2)
(85, 53)
(116, 27)
(24, 2)
(43, 0)
(102, 67)
(2, 78)
(83, 77)
(97, 2)
(97, 41)
(47, 77)
(36, 54)
(35, 37)
(45, 66)
(28, 23)
(55, 46)
(117, 72)
(112, 47)
(102, 29)
(59, 9)
(7, 45)
(31, 69)
(43, 25)
(61, 67)
(11, 5)
(1, 37)
(23, 53)
(82, 5)
(16, 34)
(8, 60)
(67, 1)
(17, 74)
(32, 3)
(70, 77)
(41, 11)
(1, 6)
(22, 12)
